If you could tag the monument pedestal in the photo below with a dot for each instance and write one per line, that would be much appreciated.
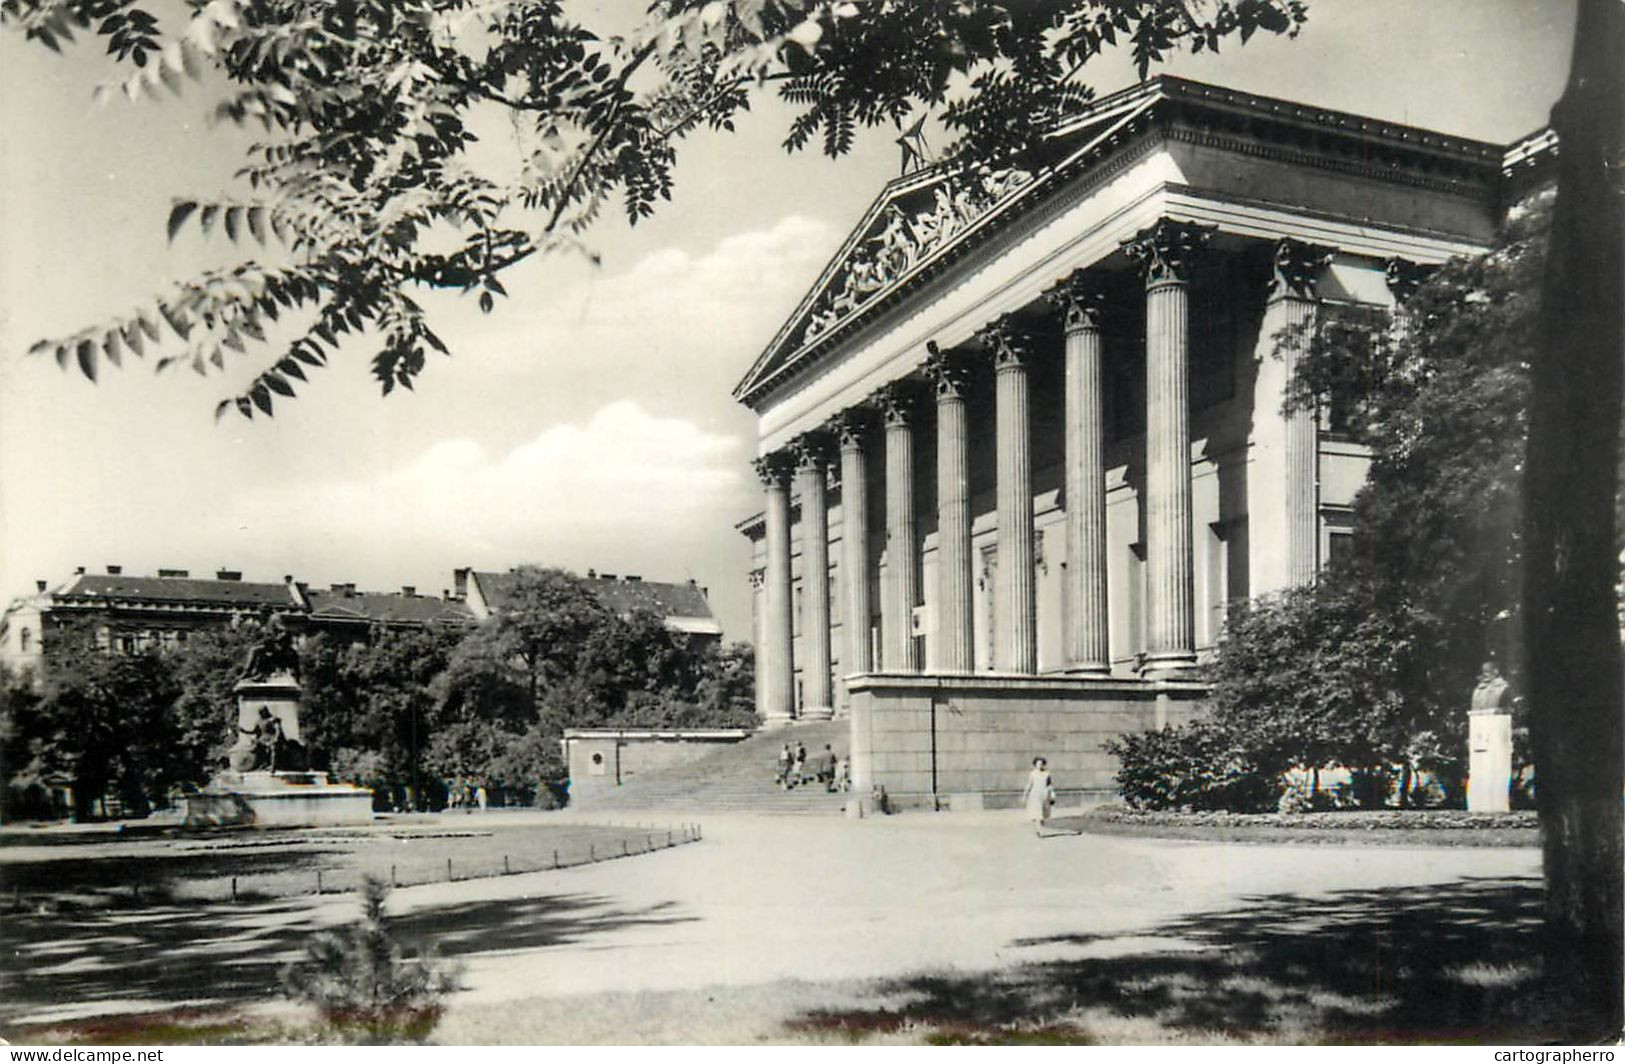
(278, 800)
(1489, 763)
(267, 785)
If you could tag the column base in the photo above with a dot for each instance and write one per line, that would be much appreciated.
(1170, 665)
(1090, 669)
(817, 713)
(771, 722)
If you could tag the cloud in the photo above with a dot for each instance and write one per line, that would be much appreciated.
(617, 484)
(673, 313)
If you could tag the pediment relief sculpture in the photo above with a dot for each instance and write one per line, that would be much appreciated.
(908, 233)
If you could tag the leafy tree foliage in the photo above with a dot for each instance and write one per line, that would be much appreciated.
(101, 722)
(206, 669)
(1442, 397)
(1370, 668)
(366, 190)
(1335, 675)
(368, 708)
(1197, 766)
(21, 791)
(726, 693)
(553, 658)
(547, 621)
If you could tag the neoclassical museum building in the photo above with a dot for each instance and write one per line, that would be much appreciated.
(1023, 442)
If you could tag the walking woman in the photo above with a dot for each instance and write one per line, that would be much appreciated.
(1039, 795)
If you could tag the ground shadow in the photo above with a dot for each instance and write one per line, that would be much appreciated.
(1455, 962)
(157, 872)
(168, 957)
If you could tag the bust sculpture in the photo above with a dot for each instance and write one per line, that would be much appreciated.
(1490, 696)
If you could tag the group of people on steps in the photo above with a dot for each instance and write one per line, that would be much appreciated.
(828, 768)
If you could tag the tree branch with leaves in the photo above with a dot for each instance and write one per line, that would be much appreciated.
(365, 190)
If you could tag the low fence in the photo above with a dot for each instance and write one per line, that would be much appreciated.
(250, 867)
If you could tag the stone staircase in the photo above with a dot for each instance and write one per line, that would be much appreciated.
(735, 779)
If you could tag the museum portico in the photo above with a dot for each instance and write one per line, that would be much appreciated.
(1023, 442)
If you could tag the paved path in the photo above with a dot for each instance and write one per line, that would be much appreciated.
(760, 901)
(763, 899)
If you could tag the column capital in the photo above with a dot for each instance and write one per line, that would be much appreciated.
(948, 371)
(1405, 277)
(1006, 346)
(850, 426)
(810, 451)
(1166, 250)
(898, 403)
(758, 577)
(1296, 268)
(774, 469)
(1081, 299)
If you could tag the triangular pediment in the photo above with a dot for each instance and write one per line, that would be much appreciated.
(916, 224)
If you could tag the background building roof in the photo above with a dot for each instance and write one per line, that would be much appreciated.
(684, 606)
(369, 607)
(228, 593)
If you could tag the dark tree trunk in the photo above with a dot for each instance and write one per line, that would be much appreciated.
(1574, 679)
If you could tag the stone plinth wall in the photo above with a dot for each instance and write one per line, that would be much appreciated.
(986, 729)
(602, 759)
(263, 800)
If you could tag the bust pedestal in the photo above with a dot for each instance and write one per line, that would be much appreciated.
(1489, 745)
(1489, 762)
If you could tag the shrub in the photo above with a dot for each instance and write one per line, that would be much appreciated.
(365, 987)
(1194, 767)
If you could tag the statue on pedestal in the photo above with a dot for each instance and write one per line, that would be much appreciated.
(269, 783)
(1489, 744)
(268, 737)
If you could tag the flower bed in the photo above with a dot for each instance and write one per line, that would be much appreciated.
(1427, 827)
(1340, 820)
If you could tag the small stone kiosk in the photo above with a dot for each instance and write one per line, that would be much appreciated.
(268, 783)
(1489, 745)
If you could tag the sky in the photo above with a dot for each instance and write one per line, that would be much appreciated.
(588, 423)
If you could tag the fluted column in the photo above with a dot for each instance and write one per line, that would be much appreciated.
(1015, 643)
(851, 429)
(951, 378)
(812, 461)
(1083, 587)
(1165, 252)
(758, 634)
(777, 653)
(1291, 308)
(901, 590)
